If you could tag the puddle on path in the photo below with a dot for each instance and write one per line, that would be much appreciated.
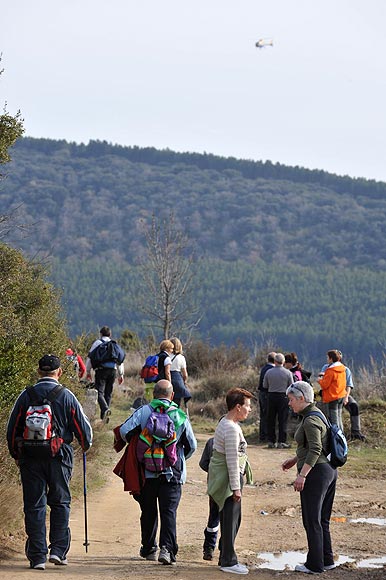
(372, 562)
(373, 521)
(288, 560)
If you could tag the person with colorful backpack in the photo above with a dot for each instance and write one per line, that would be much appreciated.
(165, 441)
(41, 427)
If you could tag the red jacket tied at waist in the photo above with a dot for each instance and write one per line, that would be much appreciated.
(128, 467)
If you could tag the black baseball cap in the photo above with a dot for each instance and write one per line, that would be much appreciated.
(49, 363)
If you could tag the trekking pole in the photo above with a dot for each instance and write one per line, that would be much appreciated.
(86, 542)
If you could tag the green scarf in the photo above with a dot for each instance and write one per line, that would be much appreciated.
(176, 414)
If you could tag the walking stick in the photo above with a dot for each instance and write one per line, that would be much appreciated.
(86, 542)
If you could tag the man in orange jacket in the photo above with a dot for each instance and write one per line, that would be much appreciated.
(333, 385)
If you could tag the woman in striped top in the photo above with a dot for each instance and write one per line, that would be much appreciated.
(228, 465)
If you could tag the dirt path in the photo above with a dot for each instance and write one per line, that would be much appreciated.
(114, 528)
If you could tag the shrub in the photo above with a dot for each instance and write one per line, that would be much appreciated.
(202, 358)
(31, 322)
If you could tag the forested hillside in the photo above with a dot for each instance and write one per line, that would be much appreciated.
(286, 254)
(91, 200)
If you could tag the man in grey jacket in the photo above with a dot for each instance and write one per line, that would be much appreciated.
(276, 381)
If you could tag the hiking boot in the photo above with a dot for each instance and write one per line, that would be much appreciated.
(283, 446)
(271, 445)
(54, 559)
(208, 554)
(106, 416)
(165, 556)
(357, 435)
(235, 569)
(303, 568)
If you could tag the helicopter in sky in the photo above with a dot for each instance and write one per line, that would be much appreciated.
(263, 42)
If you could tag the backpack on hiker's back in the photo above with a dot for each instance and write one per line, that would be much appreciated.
(157, 443)
(149, 371)
(107, 353)
(153, 368)
(40, 435)
(337, 442)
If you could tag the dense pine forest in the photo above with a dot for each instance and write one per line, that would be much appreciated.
(284, 254)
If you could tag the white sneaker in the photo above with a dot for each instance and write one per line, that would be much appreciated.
(54, 559)
(40, 566)
(329, 567)
(303, 568)
(235, 569)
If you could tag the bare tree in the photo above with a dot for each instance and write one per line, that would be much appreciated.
(167, 275)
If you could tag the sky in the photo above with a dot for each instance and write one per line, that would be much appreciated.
(186, 75)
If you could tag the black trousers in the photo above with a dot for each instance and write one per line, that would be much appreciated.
(317, 499)
(263, 405)
(277, 407)
(230, 520)
(211, 530)
(159, 495)
(104, 382)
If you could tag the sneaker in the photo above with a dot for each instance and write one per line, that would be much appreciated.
(271, 445)
(283, 446)
(329, 567)
(208, 554)
(303, 568)
(151, 556)
(57, 560)
(40, 566)
(165, 556)
(235, 569)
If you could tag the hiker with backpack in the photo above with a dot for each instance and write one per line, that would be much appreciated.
(40, 430)
(315, 479)
(165, 441)
(78, 364)
(333, 385)
(293, 365)
(349, 402)
(179, 374)
(106, 358)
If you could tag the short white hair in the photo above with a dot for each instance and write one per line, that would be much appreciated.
(301, 389)
(279, 358)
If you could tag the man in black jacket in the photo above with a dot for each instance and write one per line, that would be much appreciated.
(46, 466)
(263, 397)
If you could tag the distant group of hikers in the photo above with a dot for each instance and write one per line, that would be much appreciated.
(157, 439)
(280, 371)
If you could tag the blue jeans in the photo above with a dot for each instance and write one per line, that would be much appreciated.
(46, 482)
(335, 409)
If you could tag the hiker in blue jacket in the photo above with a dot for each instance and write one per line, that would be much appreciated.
(162, 491)
(105, 375)
(45, 478)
